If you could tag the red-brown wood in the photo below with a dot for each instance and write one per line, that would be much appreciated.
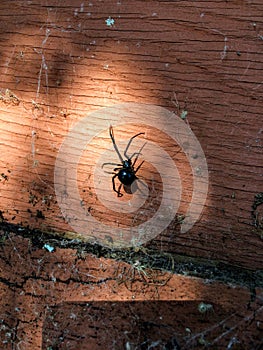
(69, 299)
(61, 62)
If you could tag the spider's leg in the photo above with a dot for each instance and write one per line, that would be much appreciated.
(137, 154)
(135, 171)
(110, 164)
(114, 143)
(129, 143)
(114, 186)
(113, 182)
(119, 168)
(119, 191)
(109, 172)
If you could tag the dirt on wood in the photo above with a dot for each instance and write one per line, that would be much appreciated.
(188, 75)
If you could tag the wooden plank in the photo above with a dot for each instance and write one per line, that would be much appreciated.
(61, 62)
(68, 297)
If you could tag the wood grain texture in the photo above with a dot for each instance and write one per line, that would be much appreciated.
(67, 299)
(60, 61)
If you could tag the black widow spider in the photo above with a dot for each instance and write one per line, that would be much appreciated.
(125, 171)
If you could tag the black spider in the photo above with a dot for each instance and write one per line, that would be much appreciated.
(125, 171)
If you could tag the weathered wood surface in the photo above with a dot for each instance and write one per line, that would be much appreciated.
(67, 299)
(60, 61)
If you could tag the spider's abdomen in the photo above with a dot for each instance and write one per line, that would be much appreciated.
(126, 176)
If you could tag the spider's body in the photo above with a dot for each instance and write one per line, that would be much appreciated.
(126, 175)
(125, 171)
